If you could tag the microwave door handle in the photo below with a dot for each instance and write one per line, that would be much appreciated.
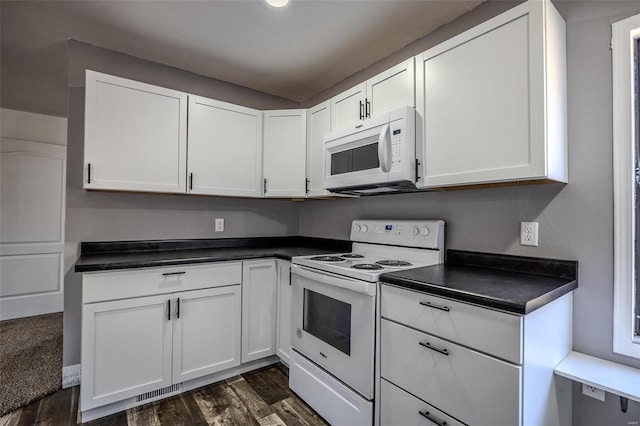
(384, 148)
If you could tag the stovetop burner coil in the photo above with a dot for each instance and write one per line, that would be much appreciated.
(367, 266)
(394, 263)
(328, 259)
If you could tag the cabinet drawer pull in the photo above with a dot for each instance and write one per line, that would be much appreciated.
(361, 110)
(367, 108)
(432, 419)
(166, 274)
(178, 307)
(428, 345)
(190, 181)
(89, 173)
(431, 305)
(169, 310)
(264, 186)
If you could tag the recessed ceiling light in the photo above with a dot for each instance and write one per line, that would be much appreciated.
(277, 3)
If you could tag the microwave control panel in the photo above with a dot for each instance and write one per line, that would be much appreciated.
(396, 147)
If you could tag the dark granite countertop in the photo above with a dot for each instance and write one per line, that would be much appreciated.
(513, 284)
(111, 255)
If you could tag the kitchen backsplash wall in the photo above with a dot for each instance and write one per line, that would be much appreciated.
(576, 220)
(100, 216)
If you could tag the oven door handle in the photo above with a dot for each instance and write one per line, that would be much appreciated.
(335, 280)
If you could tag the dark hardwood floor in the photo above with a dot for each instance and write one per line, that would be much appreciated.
(260, 397)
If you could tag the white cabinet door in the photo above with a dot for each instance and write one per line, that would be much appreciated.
(318, 124)
(285, 134)
(492, 101)
(392, 88)
(225, 149)
(284, 311)
(348, 108)
(135, 136)
(206, 331)
(258, 309)
(126, 349)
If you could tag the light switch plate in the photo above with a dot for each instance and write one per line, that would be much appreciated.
(529, 234)
(219, 225)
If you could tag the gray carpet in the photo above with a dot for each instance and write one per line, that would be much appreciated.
(30, 359)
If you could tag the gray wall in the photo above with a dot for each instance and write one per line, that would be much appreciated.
(576, 220)
(100, 216)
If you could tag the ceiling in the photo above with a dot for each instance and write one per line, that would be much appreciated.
(294, 52)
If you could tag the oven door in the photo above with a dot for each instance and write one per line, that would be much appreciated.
(332, 321)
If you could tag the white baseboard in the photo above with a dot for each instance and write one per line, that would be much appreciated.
(71, 376)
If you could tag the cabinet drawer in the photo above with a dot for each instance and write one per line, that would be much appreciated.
(100, 286)
(472, 387)
(401, 408)
(492, 332)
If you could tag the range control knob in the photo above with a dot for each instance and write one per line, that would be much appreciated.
(356, 228)
(364, 228)
(424, 231)
(414, 231)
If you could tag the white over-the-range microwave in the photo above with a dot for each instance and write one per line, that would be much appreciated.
(374, 157)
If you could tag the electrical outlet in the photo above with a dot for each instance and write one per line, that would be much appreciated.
(593, 392)
(219, 225)
(529, 234)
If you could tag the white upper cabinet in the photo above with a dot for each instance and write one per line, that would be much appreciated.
(135, 136)
(492, 101)
(348, 108)
(225, 149)
(390, 89)
(318, 124)
(285, 133)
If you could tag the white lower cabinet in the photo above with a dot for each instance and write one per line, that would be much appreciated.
(258, 309)
(283, 333)
(126, 349)
(434, 370)
(402, 408)
(206, 332)
(135, 345)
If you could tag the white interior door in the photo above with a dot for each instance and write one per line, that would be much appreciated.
(206, 331)
(32, 205)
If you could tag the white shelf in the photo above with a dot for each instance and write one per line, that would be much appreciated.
(612, 377)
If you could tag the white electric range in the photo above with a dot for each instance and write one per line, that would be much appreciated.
(333, 313)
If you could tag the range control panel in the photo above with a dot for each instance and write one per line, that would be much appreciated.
(406, 233)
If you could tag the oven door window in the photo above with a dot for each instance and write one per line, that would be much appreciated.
(328, 319)
(355, 159)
